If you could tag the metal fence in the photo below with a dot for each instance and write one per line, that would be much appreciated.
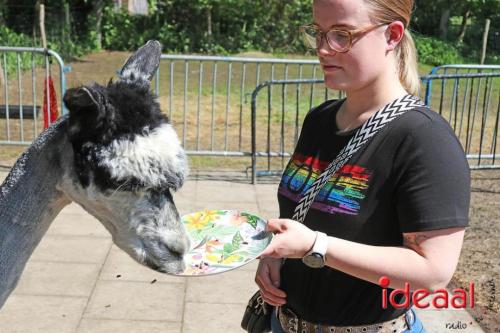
(21, 95)
(250, 107)
(208, 98)
(276, 123)
(455, 69)
(470, 102)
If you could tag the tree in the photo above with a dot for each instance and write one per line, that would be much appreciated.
(463, 25)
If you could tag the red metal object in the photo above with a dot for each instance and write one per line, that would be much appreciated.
(53, 103)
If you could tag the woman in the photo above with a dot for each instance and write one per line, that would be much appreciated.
(397, 210)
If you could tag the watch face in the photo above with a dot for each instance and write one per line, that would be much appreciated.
(314, 260)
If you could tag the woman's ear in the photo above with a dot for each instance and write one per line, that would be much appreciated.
(394, 33)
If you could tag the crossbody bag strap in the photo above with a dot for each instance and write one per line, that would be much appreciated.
(371, 127)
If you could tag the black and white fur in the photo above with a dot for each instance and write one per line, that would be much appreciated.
(118, 157)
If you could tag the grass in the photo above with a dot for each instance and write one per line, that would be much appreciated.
(217, 117)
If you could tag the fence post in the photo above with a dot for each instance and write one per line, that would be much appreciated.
(485, 40)
(254, 131)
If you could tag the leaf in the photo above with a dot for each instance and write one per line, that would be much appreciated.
(237, 240)
(228, 248)
(219, 231)
(251, 219)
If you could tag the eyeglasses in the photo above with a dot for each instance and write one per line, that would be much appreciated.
(339, 40)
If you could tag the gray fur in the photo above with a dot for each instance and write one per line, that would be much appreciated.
(143, 221)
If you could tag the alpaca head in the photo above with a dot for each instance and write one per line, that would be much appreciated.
(127, 160)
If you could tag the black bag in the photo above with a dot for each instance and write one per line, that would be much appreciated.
(257, 316)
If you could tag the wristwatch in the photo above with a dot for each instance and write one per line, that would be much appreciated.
(316, 257)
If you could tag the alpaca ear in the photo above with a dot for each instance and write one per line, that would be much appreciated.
(80, 98)
(142, 65)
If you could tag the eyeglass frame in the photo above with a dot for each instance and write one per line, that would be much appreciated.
(351, 33)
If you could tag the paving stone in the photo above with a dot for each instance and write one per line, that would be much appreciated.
(269, 214)
(119, 266)
(122, 300)
(41, 314)
(225, 192)
(185, 206)
(187, 190)
(213, 318)
(252, 267)
(77, 225)
(268, 205)
(236, 286)
(72, 249)
(230, 205)
(127, 326)
(270, 193)
(68, 260)
(3, 175)
(58, 279)
(74, 208)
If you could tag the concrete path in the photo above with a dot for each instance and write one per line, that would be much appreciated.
(78, 281)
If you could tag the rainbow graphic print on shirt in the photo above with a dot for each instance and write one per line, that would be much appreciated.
(343, 193)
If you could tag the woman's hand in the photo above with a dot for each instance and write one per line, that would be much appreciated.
(268, 280)
(291, 240)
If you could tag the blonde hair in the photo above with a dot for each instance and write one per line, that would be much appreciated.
(387, 11)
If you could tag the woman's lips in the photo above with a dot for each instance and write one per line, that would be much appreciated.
(329, 68)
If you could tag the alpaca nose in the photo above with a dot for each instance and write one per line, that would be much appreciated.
(177, 243)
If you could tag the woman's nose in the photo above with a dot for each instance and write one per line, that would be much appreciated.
(324, 48)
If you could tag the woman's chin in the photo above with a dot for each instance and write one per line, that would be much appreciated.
(335, 84)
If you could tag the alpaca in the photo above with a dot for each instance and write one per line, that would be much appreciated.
(117, 156)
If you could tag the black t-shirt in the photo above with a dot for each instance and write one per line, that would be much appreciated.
(412, 176)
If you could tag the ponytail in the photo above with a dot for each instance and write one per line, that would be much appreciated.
(406, 54)
(387, 11)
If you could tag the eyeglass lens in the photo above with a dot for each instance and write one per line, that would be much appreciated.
(337, 39)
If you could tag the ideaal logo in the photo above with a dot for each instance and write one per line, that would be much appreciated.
(440, 297)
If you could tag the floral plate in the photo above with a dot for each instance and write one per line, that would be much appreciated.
(222, 240)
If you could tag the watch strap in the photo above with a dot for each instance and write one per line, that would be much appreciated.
(320, 244)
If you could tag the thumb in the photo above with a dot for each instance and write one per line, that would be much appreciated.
(269, 251)
(275, 225)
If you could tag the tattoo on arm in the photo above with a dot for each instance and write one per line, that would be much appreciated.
(413, 242)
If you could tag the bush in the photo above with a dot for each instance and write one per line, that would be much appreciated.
(237, 26)
(11, 38)
(66, 49)
(492, 59)
(435, 52)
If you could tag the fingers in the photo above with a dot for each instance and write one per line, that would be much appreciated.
(265, 284)
(276, 225)
(275, 276)
(275, 301)
(268, 279)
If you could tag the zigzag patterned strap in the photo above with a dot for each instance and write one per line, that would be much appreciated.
(376, 122)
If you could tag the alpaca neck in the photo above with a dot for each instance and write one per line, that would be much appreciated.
(29, 202)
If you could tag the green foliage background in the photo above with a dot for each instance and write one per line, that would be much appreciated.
(182, 26)
(233, 26)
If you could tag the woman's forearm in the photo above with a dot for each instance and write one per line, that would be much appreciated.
(427, 260)
(367, 262)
